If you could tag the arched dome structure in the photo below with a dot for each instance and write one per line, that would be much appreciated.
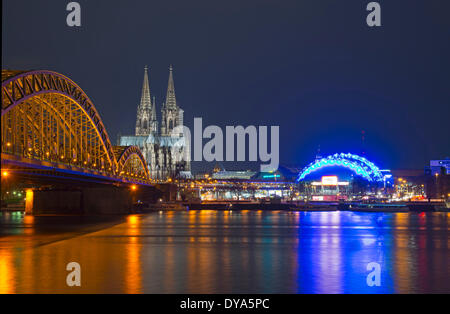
(359, 165)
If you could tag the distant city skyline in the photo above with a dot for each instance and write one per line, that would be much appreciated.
(322, 80)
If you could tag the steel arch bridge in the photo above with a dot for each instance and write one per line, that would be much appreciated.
(48, 121)
(359, 165)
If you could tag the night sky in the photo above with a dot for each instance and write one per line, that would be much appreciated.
(313, 67)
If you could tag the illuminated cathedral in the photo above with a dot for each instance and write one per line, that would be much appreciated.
(166, 151)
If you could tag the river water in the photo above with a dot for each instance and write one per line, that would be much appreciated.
(227, 252)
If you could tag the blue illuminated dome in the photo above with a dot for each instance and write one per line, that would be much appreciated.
(359, 165)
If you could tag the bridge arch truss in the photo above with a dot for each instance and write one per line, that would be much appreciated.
(131, 162)
(48, 118)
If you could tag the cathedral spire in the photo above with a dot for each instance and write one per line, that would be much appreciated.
(144, 108)
(145, 97)
(170, 96)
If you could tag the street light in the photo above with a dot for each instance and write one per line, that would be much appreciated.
(5, 174)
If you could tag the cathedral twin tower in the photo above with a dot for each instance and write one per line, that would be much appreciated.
(172, 115)
(163, 151)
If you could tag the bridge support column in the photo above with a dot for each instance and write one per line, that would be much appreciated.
(98, 200)
(39, 202)
(107, 200)
(168, 191)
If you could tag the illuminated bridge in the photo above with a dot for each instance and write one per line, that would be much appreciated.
(50, 128)
(48, 122)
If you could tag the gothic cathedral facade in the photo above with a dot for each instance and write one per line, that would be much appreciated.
(164, 149)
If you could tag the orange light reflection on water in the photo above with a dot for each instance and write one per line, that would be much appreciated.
(133, 278)
(6, 273)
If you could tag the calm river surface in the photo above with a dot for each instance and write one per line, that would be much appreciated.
(226, 252)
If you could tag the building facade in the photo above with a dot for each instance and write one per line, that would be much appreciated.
(164, 149)
(438, 166)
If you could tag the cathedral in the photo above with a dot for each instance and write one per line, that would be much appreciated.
(166, 152)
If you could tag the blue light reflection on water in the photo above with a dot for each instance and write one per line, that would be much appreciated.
(336, 247)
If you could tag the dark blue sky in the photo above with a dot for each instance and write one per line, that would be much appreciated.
(313, 67)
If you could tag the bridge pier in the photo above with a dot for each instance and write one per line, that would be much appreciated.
(96, 200)
(168, 192)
